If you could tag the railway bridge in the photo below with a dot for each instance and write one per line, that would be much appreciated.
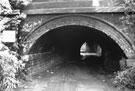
(61, 27)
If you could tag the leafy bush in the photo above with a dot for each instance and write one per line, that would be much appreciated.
(126, 78)
(10, 60)
(9, 65)
(129, 10)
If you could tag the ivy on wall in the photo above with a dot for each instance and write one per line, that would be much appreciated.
(126, 78)
(10, 61)
(128, 20)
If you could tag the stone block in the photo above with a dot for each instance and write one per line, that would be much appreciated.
(130, 62)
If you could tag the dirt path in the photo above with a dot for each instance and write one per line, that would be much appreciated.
(71, 77)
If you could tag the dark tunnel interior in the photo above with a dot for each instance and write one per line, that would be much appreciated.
(67, 41)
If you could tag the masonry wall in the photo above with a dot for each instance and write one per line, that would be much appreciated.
(42, 62)
(112, 18)
(44, 10)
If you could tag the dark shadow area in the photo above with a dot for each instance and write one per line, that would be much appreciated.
(67, 41)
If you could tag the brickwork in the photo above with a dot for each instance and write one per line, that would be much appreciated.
(41, 62)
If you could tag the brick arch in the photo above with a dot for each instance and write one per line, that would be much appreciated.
(83, 20)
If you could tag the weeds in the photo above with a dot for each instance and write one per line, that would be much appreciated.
(125, 78)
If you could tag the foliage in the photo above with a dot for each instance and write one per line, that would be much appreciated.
(5, 7)
(129, 18)
(126, 78)
(17, 4)
(28, 27)
(10, 60)
(9, 66)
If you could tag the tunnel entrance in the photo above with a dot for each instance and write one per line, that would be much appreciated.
(67, 41)
(58, 60)
(73, 57)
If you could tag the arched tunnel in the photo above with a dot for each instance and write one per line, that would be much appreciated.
(66, 41)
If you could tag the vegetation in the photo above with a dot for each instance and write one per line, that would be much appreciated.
(129, 18)
(10, 61)
(126, 78)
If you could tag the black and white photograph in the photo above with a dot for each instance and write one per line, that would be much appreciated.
(67, 45)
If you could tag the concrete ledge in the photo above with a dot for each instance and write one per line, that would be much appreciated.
(59, 4)
(71, 6)
(74, 10)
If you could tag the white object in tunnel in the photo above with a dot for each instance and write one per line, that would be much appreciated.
(85, 48)
(85, 51)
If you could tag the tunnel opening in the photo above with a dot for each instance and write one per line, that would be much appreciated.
(66, 42)
(87, 50)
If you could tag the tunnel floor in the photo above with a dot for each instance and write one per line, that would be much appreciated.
(71, 76)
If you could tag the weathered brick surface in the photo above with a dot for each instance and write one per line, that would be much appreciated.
(41, 62)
